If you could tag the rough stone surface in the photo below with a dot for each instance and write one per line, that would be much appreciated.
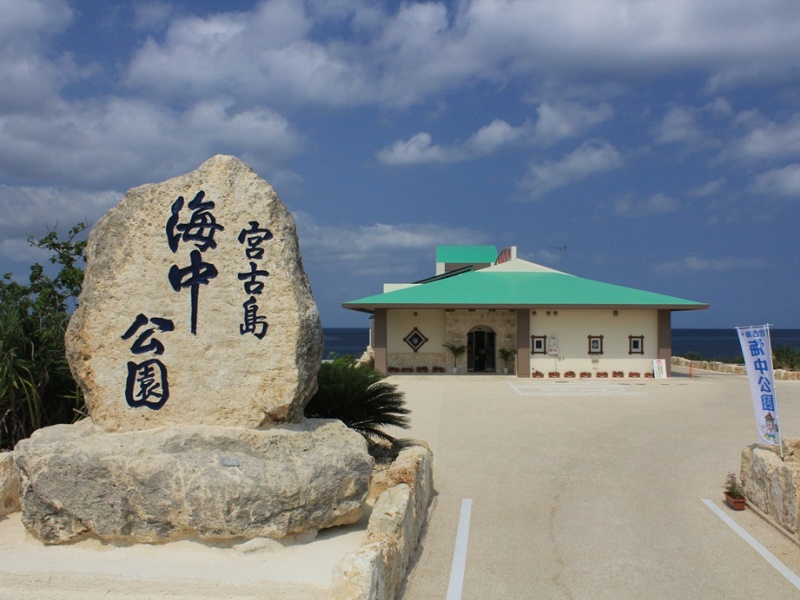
(211, 483)
(9, 484)
(378, 568)
(772, 485)
(131, 344)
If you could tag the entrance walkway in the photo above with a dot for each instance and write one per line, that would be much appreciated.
(585, 490)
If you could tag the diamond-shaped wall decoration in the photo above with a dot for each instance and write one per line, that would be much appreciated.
(415, 339)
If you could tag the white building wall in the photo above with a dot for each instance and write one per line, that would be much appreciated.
(431, 323)
(572, 328)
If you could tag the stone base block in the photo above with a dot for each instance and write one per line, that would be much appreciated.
(773, 485)
(209, 483)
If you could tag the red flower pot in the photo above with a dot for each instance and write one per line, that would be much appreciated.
(734, 503)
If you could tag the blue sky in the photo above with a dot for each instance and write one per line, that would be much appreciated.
(652, 144)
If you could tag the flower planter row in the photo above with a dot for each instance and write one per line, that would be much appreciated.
(588, 375)
(416, 370)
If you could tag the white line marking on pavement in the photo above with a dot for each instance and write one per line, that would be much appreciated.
(460, 553)
(766, 554)
(574, 388)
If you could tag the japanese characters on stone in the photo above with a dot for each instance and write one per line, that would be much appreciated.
(147, 383)
(253, 279)
(193, 223)
(200, 230)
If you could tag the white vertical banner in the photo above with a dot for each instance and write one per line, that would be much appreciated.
(757, 351)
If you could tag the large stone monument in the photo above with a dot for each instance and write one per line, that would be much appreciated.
(196, 344)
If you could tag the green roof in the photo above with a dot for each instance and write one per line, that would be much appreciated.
(466, 254)
(514, 289)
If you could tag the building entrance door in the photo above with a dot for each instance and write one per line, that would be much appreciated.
(480, 350)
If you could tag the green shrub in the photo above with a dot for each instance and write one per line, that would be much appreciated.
(786, 358)
(358, 396)
(36, 386)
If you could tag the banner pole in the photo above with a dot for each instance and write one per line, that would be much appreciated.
(780, 436)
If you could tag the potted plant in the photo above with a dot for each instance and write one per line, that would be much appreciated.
(554, 374)
(586, 375)
(537, 374)
(456, 352)
(506, 354)
(734, 492)
(602, 374)
(569, 374)
(618, 374)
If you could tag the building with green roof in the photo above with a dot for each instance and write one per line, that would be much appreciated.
(552, 323)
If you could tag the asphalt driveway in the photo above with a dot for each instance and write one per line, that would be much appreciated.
(591, 489)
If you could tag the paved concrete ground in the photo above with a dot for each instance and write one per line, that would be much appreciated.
(184, 570)
(593, 489)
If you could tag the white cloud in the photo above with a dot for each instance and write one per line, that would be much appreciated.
(778, 182)
(151, 16)
(27, 210)
(282, 51)
(694, 264)
(555, 123)
(765, 139)
(33, 211)
(24, 22)
(494, 136)
(589, 158)
(129, 141)
(18, 250)
(562, 120)
(659, 203)
(720, 107)
(266, 54)
(678, 126)
(708, 189)
(373, 249)
(418, 149)
(30, 79)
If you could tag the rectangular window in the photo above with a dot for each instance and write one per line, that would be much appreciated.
(595, 344)
(539, 344)
(635, 344)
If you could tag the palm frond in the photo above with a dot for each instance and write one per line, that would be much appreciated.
(359, 397)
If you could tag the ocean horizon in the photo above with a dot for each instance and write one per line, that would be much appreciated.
(711, 344)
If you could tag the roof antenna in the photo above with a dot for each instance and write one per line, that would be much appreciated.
(562, 249)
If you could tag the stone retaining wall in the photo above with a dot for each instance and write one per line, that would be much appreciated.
(377, 570)
(720, 367)
(412, 361)
(772, 484)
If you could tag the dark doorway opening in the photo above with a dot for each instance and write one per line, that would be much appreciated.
(481, 350)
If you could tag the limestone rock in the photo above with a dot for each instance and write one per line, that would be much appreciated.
(377, 569)
(195, 307)
(772, 485)
(211, 483)
(9, 484)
